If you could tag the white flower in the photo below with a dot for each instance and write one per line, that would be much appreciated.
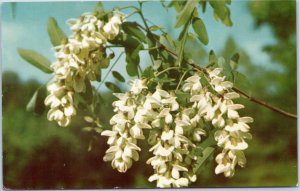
(192, 84)
(112, 28)
(137, 86)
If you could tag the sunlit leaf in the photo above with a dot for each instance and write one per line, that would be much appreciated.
(118, 76)
(227, 70)
(113, 87)
(55, 33)
(36, 59)
(99, 10)
(183, 17)
(221, 11)
(200, 30)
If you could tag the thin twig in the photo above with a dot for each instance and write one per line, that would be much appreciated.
(171, 68)
(255, 100)
(250, 98)
(181, 79)
(109, 71)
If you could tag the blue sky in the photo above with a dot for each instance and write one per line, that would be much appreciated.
(29, 30)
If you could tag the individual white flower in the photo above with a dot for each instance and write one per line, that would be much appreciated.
(138, 85)
(112, 28)
(192, 84)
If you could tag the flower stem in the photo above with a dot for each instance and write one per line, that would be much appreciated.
(106, 75)
(171, 68)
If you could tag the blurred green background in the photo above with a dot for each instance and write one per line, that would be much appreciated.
(39, 154)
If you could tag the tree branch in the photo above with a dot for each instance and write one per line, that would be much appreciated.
(250, 98)
(255, 100)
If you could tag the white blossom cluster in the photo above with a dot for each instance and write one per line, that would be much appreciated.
(172, 162)
(79, 59)
(219, 109)
(128, 125)
(178, 129)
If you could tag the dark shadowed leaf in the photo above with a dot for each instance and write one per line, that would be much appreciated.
(242, 82)
(200, 30)
(126, 41)
(36, 103)
(183, 98)
(133, 60)
(131, 28)
(207, 152)
(36, 59)
(113, 87)
(118, 76)
(88, 94)
(234, 61)
(55, 32)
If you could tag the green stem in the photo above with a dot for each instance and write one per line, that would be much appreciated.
(180, 81)
(171, 68)
(106, 75)
(127, 16)
(129, 7)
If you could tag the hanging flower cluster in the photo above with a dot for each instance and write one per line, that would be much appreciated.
(178, 129)
(79, 61)
(221, 111)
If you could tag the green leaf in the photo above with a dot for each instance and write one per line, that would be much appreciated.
(151, 44)
(221, 11)
(99, 8)
(113, 87)
(227, 70)
(118, 76)
(182, 37)
(88, 94)
(126, 40)
(183, 98)
(242, 82)
(36, 103)
(155, 28)
(55, 32)
(234, 61)
(183, 17)
(212, 58)
(35, 59)
(132, 28)
(197, 151)
(207, 152)
(200, 30)
(203, 3)
(148, 73)
(133, 60)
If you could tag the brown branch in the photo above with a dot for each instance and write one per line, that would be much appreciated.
(250, 98)
(255, 100)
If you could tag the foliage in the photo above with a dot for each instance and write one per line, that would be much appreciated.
(173, 68)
